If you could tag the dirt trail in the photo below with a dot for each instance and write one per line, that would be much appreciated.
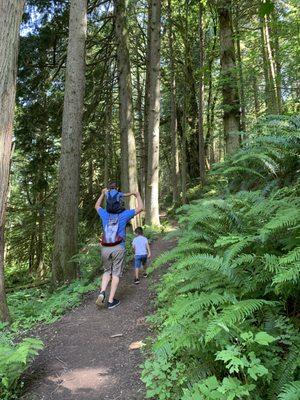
(81, 361)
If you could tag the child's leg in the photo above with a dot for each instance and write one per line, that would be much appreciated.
(137, 266)
(144, 263)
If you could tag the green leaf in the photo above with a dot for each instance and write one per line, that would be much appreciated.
(266, 8)
(264, 338)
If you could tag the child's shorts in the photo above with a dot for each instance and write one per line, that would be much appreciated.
(139, 261)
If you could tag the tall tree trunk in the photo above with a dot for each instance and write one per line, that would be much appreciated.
(231, 116)
(184, 127)
(173, 124)
(209, 145)
(271, 64)
(240, 69)
(265, 70)
(147, 96)
(108, 142)
(270, 97)
(128, 148)
(10, 18)
(277, 60)
(66, 229)
(153, 114)
(201, 96)
(39, 261)
(255, 96)
(140, 127)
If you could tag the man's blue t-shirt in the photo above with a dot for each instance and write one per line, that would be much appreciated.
(124, 217)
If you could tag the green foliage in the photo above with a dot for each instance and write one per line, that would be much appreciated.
(14, 361)
(226, 306)
(89, 260)
(291, 391)
(28, 308)
(31, 306)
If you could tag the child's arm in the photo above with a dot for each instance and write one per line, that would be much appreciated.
(148, 250)
(128, 194)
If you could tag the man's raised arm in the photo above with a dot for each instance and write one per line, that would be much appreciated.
(99, 201)
(140, 204)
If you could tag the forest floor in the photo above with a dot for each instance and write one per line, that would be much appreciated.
(82, 360)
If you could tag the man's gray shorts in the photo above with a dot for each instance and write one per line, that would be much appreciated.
(113, 259)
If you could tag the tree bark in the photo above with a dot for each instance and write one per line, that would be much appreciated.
(108, 142)
(270, 97)
(277, 60)
(10, 19)
(147, 96)
(140, 127)
(240, 69)
(255, 96)
(128, 147)
(201, 97)
(173, 111)
(183, 153)
(209, 140)
(66, 229)
(153, 114)
(231, 116)
(271, 65)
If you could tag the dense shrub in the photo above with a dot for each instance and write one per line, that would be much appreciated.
(227, 307)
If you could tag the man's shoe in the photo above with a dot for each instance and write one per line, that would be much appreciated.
(114, 304)
(100, 300)
(145, 275)
(136, 281)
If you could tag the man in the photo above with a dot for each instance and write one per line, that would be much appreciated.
(113, 250)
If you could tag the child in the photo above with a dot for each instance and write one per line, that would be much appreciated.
(142, 252)
(114, 199)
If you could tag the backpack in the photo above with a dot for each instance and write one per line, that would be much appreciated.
(110, 234)
(114, 202)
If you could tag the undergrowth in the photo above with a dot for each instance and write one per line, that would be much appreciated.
(28, 308)
(227, 319)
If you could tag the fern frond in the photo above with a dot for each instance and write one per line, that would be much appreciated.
(291, 391)
(233, 315)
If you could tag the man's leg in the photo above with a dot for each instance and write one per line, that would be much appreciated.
(107, 265)
(105, 281)
(113, 288)
(118, 259)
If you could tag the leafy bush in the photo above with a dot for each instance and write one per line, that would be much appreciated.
(227, 307)
(31, 306)
(89, 260)
(13, 362)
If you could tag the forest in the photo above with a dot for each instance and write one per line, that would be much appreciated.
(196, 105)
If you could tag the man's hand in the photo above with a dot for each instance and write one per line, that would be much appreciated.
(149, 255)
(99, 201)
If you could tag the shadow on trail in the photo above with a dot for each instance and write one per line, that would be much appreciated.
(81, 361)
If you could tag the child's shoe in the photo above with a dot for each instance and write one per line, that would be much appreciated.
(136, 281)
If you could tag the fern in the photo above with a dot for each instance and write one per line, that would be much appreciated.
(232, 283)
(291, 391)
